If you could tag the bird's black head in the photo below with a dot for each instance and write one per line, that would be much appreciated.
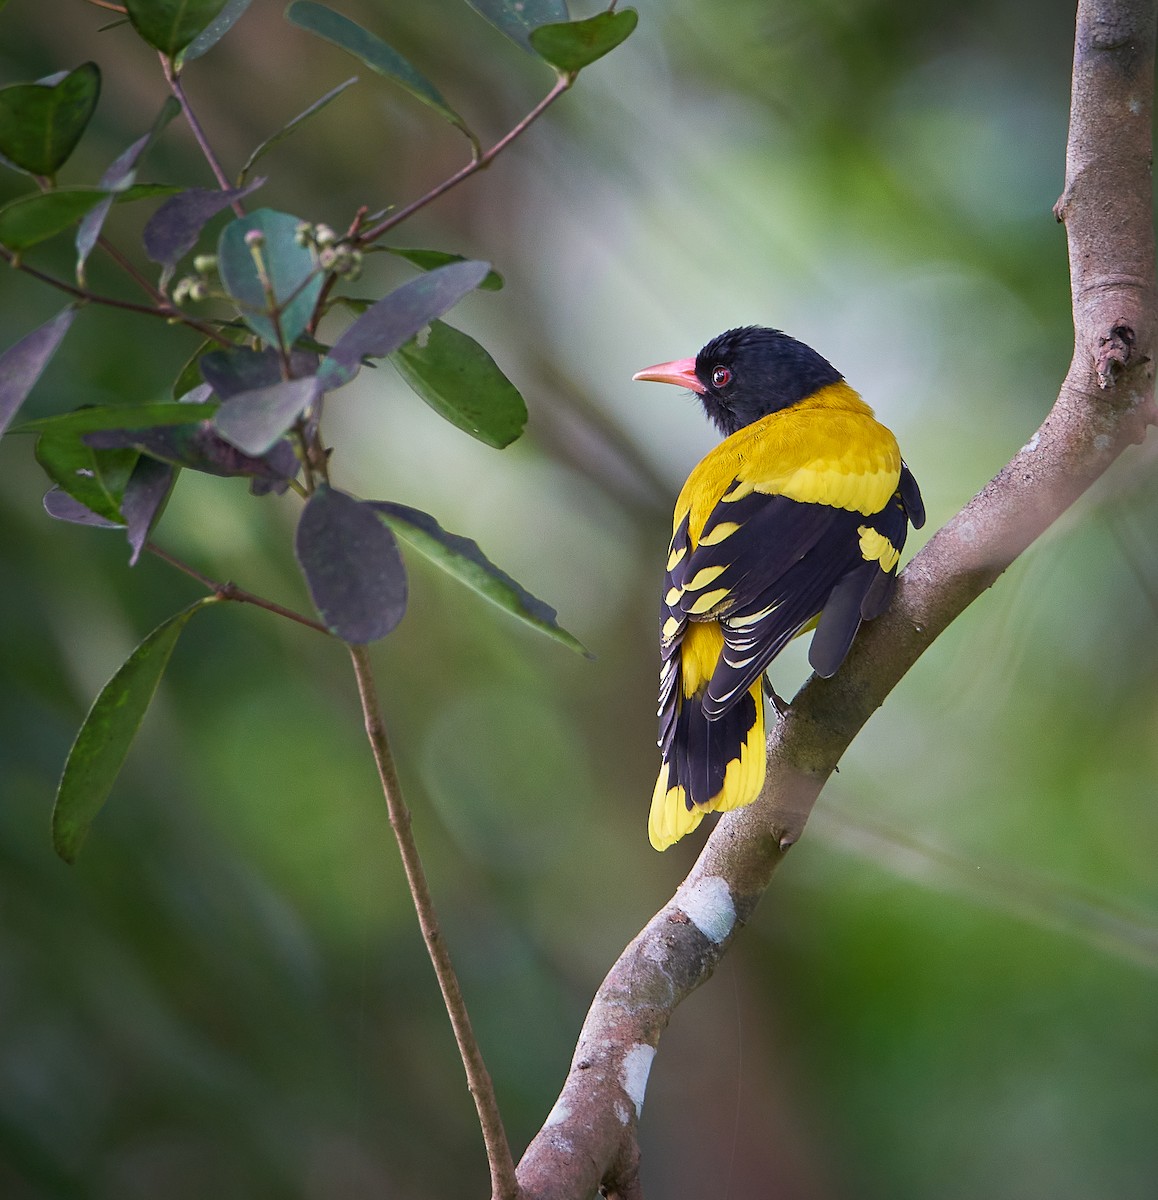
(747, 373)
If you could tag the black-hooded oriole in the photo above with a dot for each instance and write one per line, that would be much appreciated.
(796, 520)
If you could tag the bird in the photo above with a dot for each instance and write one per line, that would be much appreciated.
(795, 521)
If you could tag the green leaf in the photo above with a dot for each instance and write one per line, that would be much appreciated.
(104, 739)
(170, 25)
(96, 478)
(571, 46)
(40, 124)
(215, 30)
(28, 220)
(118, 416)
(290, 126)
(516, 18)
(461, 557)
(429, 260)
(356, 577)
(374, 52)
(289, 270)
(462, 383)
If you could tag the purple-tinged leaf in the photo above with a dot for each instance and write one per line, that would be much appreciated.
(116, 180)
(462, 558)
(570, 46)
(63, 507)
(214, 31)
(241, 369)
(254, 421)
(277, 301)
(200, 448)
(28, 220)
(21, 365)
(171, 25)
(104, 739)
(172, 231)
(355, 575)
(397, 317)
(41, 123)
(146, 495)
(427, 260)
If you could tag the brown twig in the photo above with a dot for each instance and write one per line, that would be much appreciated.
(1105, 404)
(502, 1166)
(230, 591)
(165, 311)
(478, 163)
(173, 78)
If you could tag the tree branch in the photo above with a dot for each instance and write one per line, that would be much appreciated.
(1106, 403)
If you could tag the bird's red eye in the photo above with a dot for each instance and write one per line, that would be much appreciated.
(721, 377)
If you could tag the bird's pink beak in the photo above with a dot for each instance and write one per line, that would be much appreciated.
(681, 372)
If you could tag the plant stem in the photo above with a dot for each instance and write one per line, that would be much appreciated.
(177, 88)
(230, 591)
(165, 311)
(478, 163)
(504, 1186)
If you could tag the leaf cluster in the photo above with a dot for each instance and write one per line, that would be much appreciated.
(266, 292)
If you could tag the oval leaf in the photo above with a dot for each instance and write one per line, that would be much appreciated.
(354, 573)
(28, 220)
(170, 25)
(396, 318)
(573, 45)
(40, 124)
(104, 739)
(462, 383)
(254, 421)
(374, 52)
(293, 280)
(21, 365)
(516, 18)
(461, 557)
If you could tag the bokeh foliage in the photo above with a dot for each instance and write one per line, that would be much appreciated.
(949, 989)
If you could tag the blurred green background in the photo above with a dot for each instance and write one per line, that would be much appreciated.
(952, 986)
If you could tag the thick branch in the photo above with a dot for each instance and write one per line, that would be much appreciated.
(1105, 404)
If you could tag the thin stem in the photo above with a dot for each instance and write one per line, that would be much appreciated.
(478, 163)
(173, 78)
(130, 269)
(117, 8)
(165, 311)
(504, 1186)
(230, 591)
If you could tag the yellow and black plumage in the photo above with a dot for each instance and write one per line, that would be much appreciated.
(796, 520)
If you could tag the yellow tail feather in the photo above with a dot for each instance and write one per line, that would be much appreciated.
(670, 818)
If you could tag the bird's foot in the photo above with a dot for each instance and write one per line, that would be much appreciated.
(778, 702)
